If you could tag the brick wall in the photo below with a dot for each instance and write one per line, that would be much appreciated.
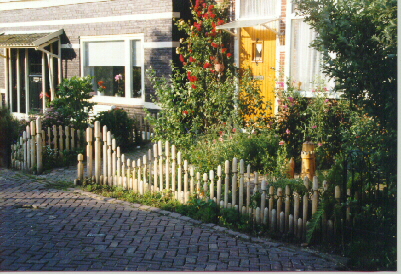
(2, 75)
(159, 30)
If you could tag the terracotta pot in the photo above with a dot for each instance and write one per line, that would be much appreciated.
(219, 67)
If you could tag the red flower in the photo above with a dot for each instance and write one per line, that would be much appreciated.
(182, 59)
(234, 130)
(204, 5)
(100, 83)
(207, 65)
(223, 50)
(212, 57)
(215, 45)
(214, 25)
(229, 55)
(185, 112)
(220, 22)
(193, 86)
(206, 16)
(103, 87)
(198, 25)
(211, 7)
(193, 79)
(189, 74)
(191, 59)
(212, 15)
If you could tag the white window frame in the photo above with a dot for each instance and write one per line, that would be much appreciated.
(290, 17)
(127, 38)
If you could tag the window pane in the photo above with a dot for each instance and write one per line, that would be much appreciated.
(105, 76)
(305, 61)
(110, 53)
(136, 49)
(258, 8)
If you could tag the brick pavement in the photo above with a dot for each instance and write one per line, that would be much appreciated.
(52, 230)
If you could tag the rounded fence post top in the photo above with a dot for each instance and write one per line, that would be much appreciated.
(227, 166)
(211, 174)
(219, 170)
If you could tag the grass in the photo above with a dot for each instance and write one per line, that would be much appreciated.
(60, 185)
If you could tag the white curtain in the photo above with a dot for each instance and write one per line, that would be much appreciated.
(305, 61)
(107, 53)
(251, 9)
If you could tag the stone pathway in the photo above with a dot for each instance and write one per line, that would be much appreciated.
(45, 229)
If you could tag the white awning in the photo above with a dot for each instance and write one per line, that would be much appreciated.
(245, 23)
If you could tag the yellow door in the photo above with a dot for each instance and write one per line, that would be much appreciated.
(258, 52)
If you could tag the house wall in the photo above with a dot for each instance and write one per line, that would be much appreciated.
(102, 18)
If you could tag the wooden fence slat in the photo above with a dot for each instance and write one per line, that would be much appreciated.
(186, 194)
(241, 184)
(227, 179)
(39, 147)
(167, 167)
(263, 198)
(211, 178)
(218, 185)
(287, 206)
(160, 154)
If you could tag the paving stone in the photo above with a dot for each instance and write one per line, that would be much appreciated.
(78, 231)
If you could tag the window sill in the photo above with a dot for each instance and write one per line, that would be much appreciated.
(112, 100)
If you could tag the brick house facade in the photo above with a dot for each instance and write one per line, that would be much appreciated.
(96, 37)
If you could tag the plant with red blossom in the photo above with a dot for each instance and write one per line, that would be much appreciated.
(209, 94)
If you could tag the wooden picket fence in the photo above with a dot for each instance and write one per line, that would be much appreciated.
(232, 186)
(27, 152)
(145, 128)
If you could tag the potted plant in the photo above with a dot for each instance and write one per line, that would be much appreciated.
(120, 85)
(101, 88)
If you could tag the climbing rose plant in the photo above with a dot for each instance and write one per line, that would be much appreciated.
(202, 91)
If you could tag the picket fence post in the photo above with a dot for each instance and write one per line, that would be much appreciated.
(33, 145)
(167, 168)
(218, 185)
(97, 152)
(227, 179)
(89, 138)
(186, 196)
(39, 146)
(241, 185)
(234, 182)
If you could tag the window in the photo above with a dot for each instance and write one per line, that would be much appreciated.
(116, 65)
(305, 63)
(257, 48)
(257, 8)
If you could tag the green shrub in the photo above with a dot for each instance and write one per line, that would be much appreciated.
(10, 128)
(71, 106)
(123, 128)
(259, 149)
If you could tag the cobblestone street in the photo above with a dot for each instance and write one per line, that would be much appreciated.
(54, 230)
